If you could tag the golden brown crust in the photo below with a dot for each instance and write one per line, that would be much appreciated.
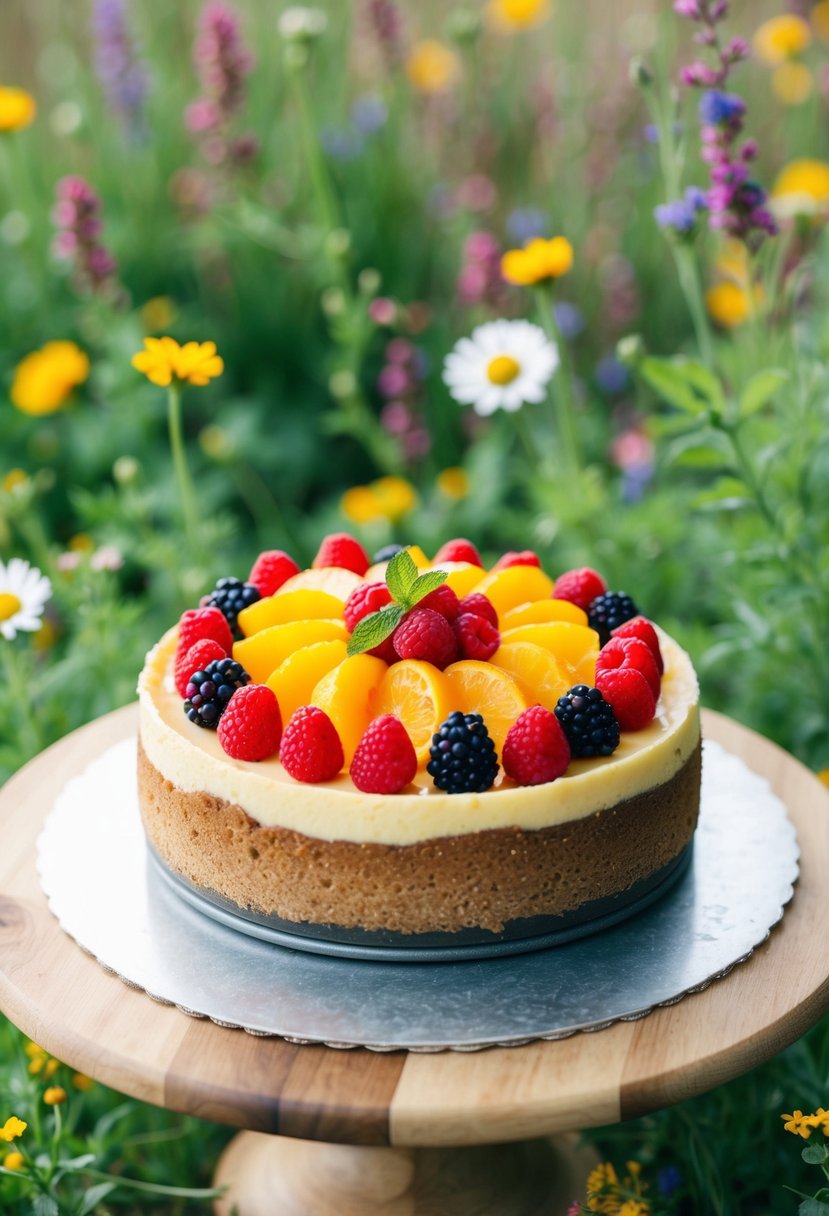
(444, 885)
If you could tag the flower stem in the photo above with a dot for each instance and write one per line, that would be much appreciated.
(561, 391)
(692, 290)
(185, 485)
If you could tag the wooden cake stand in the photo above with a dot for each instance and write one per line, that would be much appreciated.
(403, 1134)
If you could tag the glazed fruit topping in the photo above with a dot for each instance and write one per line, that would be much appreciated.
(536, 749)
(341, 549)
(425, 634)
(629, 695)
(477, 637)
(579, 586)
(630, 652)
(385, 761)
(231, 596)
(195, 659)
(270, 570)
(588, 721)
(640, 627)
(210, 690)
(463, 756)
(608, 611)
(199, 623)
(251, 726)
(311, 750)
(458, 550)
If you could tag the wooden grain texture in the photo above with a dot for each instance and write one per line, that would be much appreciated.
(63, 999)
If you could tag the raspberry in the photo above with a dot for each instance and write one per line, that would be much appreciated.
(477, 637)
(525, 558)
(480, 605)
(629, 695)
(251, 726)
(640, 627)
(385, 651)
(385, 760)
(588, 722)
(629, 652)
(199, 623)
(365, 599)
(311, 750)
(195, 659)
(425, 634)
(458, 550)
(271, 569)
(340, 549)
(462, 755)
(443, 600)
(230, 596)
(580, 587)
(607, 612)
(536, 749)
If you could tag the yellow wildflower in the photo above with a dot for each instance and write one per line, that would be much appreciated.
(54, 1095)
(395, 495)
(453, 482)
(17, 108)
(158, 314)
(793, 83)
(819, 17)
(728, 304)
(40, 1062)
(781, 37)
(634, 1207)
(823, 776)
(509, 16)
(820, 1119)
(538, 261)
(432, 67)
(13, 1160)
(81, 542)
(12, 1128)
(360, 505)
(46, 378)
(801, 188)
(162, 361)
(82, 1082)
(14, 479)
(602, 1189)
(798, 1124)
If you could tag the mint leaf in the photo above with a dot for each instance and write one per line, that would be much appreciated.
(374, 629)
(401, 574)
(424, 583)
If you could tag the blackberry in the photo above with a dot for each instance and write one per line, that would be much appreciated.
(588, 722)
(230, 596)
(210, 690)
(462, 755)
(607, 612)
(386, 553)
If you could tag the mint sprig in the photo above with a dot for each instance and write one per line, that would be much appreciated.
(406, 588)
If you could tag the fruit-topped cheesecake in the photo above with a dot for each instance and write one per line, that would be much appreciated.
(417, 747)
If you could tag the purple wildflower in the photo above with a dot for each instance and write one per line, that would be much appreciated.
(385, 20)
(77, 218)
(524, 223)
(612, 377)
(117, 64)
(479, 279)
(716, 108)
(569, 319)
(369, 114)
(680, 215)
(222, 62)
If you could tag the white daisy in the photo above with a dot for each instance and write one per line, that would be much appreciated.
(24, 593)
(502, 365)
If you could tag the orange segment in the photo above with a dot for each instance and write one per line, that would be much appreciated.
(293, 606)
(536, 671)
(515, 585)
(575, 647)
(481, 688)
(462, 576)
(348, 694)
(418, 694)
(297, 676)
(539, 612)
(262, 653)
(332, 579)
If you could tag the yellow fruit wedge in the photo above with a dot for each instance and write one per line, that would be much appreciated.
(535, 670)
(332, 579)
(349, 694)
(297, 676)
(418, 694)
(538, 612)
(574, 647)
(294, 606)
(377, 572)
(515, 585)
(261, 654)
(463, 577)
(480, 688)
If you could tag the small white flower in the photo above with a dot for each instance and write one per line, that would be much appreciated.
(502, 365)
(24, 593)
(106, 558)
(301, 24)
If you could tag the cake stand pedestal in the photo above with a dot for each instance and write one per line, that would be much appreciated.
(403, 1132)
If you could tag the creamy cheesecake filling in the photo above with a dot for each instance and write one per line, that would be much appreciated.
(191, 758)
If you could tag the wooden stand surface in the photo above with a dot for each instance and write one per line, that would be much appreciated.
(64, 1000)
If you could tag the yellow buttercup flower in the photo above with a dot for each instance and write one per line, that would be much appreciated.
(634, 1207)
(82, 1082)
(360, 505)
(54, 1095)
(12, 1128)
(395, 495)
(17, 108)
(801, 188)
(510, 16)
(432, 67)
(781, 37)
(162, 361)
(158, 314)
(45, 380)
(453, 482)
(728, 304)
(13, 1160)
(793, 83)
(538, 261)
(798, 1124)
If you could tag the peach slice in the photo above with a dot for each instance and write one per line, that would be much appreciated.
(515, 585)
(294, 606)
(575, 647)
(463, 577)
(536, 670)
(349, 695)
(297, 676)
(261, 654)
(540, 612)
(332, 579)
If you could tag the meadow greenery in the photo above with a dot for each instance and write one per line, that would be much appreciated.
(546, 276)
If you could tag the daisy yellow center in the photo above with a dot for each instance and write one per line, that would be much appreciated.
(9, 605)
(502, 369)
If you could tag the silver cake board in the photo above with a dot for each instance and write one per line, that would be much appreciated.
(96, 871)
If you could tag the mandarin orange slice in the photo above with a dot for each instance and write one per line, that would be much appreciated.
(476, 687)
(262, 653)
(348, 694)
(515, 585)
(293, 606)
(539, 612)
(575, 647)
(418, 694)
(297, 676)
(536, 671)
